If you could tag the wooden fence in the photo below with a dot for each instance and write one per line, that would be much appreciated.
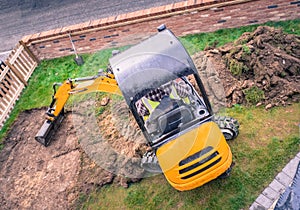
(14, 74)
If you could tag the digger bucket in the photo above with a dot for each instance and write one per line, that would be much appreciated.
(48, 129)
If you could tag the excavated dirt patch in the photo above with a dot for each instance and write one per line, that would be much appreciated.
(36, 177)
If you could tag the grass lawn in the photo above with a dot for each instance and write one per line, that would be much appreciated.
(267, 140)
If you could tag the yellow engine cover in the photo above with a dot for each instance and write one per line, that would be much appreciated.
(195, 157)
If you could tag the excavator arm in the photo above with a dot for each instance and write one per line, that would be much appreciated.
(102, 82)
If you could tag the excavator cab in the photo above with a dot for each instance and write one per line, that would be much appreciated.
(178, 107)
(189, 145)
(155, 67)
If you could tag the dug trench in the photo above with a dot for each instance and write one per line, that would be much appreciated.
(261, 68)
(37, 177)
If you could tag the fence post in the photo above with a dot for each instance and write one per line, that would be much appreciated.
(29, 51)
(17, 73)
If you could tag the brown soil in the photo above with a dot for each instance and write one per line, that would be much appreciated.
(36, 177)
(266, 60)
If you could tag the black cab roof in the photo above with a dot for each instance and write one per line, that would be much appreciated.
(151, 63)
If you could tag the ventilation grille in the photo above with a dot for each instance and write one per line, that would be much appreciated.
(213, 158)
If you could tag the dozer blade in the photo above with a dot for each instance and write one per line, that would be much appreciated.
(48, 129)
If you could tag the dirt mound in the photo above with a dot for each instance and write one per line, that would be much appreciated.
(260, 68)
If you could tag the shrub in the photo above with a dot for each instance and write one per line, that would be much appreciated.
(235, 67)
(254, 95)
(246, 49)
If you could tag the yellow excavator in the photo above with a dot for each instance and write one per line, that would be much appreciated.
(188, 142)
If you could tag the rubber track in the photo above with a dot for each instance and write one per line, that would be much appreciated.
(228, 123)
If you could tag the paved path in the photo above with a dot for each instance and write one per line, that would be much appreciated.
(268, 198)
(23, 17)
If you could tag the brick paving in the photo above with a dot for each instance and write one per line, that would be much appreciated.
(268, 198)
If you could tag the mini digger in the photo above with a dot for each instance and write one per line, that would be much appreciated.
(188, 142)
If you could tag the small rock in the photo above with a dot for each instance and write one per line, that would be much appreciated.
(247, 84)
(285, 98)
(123, 182)
(225, 48)
(237, 97)
(104, 101)
(275, 80)
(289, 38)
(258, 104)
(269, 106)
(214, 51)
(230, 91)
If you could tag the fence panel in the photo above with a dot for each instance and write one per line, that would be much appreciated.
(14, 74)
